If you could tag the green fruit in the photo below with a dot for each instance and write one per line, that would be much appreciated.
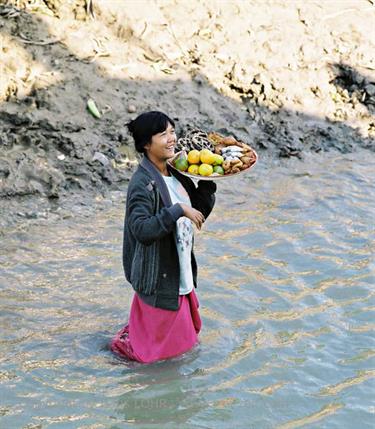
(181, 164)
(218, 160)
(218, 169)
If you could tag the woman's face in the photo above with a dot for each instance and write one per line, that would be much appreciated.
(162, 144)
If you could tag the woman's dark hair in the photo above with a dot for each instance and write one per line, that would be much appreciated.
(146, 125)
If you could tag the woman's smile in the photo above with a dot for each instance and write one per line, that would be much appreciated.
(170, 147)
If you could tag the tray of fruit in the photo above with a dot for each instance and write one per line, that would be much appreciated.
(211, 156)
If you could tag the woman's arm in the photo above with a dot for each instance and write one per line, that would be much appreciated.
(143, 223)
(202, 198)
(194, 215)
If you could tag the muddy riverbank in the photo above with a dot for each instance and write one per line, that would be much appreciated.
(288, 79)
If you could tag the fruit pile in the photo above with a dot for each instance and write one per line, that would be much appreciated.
(228, 156)
(203, 162)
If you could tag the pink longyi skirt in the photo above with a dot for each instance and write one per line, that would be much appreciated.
(153, 334)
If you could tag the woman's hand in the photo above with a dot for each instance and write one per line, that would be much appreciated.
(194, 215)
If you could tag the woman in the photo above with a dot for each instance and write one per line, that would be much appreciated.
(161, 207)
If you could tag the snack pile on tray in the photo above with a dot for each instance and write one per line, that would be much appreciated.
(212, 154)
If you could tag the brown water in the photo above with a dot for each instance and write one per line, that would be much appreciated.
(287, 301)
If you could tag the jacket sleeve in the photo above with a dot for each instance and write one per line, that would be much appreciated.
(146, 226)
(203, 197)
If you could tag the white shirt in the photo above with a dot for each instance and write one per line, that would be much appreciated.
(183, 236)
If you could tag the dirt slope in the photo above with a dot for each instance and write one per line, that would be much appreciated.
(286, 77)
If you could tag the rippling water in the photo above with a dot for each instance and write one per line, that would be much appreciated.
(287, 301)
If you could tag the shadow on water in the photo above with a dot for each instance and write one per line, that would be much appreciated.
(171, 391)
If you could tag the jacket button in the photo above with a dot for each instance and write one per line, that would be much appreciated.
(164, 275)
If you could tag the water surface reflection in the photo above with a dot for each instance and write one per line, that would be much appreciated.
(286, 291)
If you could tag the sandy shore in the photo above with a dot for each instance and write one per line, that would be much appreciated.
(286, 77)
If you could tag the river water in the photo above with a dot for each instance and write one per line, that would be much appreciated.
(287, 301)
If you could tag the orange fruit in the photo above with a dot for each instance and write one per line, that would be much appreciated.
(194, 157)
(193, 169)
(207, 157)
(205, 170)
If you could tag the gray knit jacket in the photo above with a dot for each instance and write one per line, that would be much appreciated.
(150, 257)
